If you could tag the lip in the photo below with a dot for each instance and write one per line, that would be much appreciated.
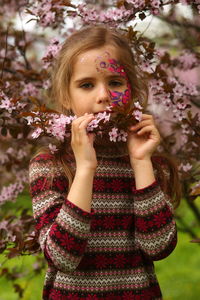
(101, 111)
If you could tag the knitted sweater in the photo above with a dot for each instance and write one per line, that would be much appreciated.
(107, 254)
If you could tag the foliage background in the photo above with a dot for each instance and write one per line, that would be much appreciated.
(31, 33)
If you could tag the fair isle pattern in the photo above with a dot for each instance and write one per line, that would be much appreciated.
(106, 254)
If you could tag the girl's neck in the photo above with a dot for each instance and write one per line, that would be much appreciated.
(105, 148)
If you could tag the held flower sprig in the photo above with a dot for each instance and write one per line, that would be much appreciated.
(113, 122)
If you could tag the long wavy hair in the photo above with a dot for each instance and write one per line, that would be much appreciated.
(95, 37)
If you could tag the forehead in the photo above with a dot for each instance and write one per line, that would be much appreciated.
(91, 59)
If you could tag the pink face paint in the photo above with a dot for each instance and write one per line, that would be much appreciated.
(120, 98)
(106, 63)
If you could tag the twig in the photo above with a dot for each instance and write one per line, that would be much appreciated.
(177, 23)
(6, 49)
(28, 66)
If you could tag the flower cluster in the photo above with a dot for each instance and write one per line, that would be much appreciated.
(10, 192)
(51, 52)
(97, 16)
(187, 60)
(10, 105)
(113, 122)
(45, 11)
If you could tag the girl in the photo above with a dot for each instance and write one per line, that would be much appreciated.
(103, 210)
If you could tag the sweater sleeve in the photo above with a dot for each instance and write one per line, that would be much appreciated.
(155, 228)
(62, 226)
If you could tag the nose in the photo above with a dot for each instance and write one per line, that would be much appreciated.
(103, 95)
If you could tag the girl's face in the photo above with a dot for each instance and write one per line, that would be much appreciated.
(97, 81)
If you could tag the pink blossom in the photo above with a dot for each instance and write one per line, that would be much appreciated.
(51, 52)
(37, 133)
(29, 119)
(190, 89)
(156, 86)
(185, 167)
(166, 100)
(137, 3)
(178, 89)
(95, 15)
(10, 192)
(53, 148)
(155, 11)
(93, 124)
(181, 106)
(29, 90)
(137, 105)
(187, 60)
(179, 114)
(138, 115)
(185, 129)
(184, 2)
(10, 150)
(17, 154)
(155, 3)
(46, 84)
(183, 139)
(3, 158)
(103, 116)
(4, 224)
(122, 136)
(57, 125)
(113, 134)
(147, 66)
(45, 10)
(7, 104)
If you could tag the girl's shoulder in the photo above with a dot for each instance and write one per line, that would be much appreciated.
(44, 162)
(43, 157)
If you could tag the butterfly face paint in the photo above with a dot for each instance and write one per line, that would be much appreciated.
(105, 63)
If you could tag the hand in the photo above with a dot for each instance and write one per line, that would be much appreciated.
(82, 143)
(143, 138)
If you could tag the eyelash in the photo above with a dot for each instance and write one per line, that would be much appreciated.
(86, 85)
(114, 83)
(117, 83)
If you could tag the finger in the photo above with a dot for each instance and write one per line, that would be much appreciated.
(76, 122)
(149, 129)
(79, 130)
(76, 125)
(84, 123)
(142, 124)
(146, 116)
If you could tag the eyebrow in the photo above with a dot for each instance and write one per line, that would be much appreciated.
(92, 78)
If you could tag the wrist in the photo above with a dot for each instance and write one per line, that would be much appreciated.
(143, 173)
(140, 162)
(85, 170)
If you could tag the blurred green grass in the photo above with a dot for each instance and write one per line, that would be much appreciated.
(178, 274)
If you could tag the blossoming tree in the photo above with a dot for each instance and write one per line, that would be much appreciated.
(171, 64)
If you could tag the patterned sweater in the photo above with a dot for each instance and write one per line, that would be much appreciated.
(107, 254)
